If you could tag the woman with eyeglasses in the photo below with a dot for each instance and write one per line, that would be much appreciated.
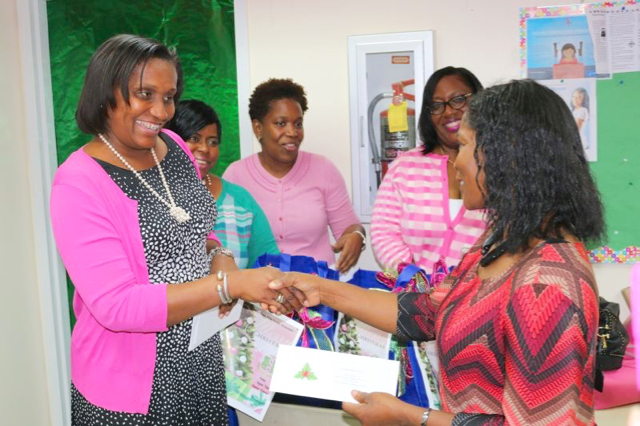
(418, 216)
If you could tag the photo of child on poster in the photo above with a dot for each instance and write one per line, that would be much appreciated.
(559, 48)
(580, 96)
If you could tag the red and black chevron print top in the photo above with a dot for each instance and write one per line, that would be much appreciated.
(518, 348)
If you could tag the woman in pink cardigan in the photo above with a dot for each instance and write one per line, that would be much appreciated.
(131, 219)
(418, 216)
(302, 194)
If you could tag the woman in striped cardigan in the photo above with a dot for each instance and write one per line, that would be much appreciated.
(418, 215)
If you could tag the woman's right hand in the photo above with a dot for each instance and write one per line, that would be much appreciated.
(308, 286)
(253, 285)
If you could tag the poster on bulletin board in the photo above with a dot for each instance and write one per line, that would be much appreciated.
(614, 139)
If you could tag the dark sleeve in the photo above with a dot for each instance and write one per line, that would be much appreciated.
(474, 419)
(416, 317)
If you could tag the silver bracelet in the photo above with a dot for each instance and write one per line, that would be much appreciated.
(364, 239)
(223, 292)
(225, 288)
(221, 250)
(425, 417)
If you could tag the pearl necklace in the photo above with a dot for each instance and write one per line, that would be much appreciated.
(177, 212)
(208, 183)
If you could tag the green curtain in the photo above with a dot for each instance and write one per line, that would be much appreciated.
(201, 30)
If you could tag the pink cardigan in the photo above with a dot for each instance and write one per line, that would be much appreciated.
(410, 221)
(301, 206)
(113, 346)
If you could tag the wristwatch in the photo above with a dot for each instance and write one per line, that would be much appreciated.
(425, 417)
(221, 250)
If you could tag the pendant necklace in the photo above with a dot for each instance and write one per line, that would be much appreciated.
(177, 212)
(445, 154)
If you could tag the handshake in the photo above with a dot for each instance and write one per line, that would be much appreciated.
(276, 291)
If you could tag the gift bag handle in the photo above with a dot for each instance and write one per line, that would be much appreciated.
(323, 269)
(406, 275)
(285, 262)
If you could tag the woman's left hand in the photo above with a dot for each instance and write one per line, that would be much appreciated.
(349, 246)
(377, 409)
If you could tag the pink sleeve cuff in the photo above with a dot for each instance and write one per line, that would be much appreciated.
(212, 236)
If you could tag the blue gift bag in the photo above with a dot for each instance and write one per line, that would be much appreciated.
(319, 321)
(411, 386)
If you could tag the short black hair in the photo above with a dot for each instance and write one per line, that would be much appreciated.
(537, 178)
(191, 116)
(110, 69)
(426, 128)
(275, 89)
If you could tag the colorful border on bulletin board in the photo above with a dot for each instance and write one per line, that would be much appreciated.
(606, 254)
(555, 11)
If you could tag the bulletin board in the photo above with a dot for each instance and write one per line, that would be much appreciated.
(617, 169)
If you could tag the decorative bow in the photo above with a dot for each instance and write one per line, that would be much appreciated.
(440, 272)
(408, 278)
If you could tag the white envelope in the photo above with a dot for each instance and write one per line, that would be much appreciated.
(331, 375)
(207, 323)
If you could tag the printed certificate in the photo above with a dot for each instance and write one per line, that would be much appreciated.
(358, 338)
(249, 348)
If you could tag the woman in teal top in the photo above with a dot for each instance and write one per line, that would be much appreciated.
(242, 226)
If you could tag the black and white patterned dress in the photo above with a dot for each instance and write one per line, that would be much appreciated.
(188, 387)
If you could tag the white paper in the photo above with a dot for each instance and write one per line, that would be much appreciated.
(331, 375)
(208, 323)
(597, 21)
(427, 356)
(615, 32)
(249, 348)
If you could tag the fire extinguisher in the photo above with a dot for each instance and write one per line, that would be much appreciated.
(392, 143)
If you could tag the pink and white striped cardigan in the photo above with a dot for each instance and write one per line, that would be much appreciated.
(411, 220)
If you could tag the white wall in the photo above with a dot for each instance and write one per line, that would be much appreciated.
(307, 41)
(23, 384)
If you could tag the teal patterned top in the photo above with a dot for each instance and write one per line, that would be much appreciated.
(242, 226)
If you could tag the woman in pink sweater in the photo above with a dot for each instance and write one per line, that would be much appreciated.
(302, 194)
(131, 219)
(418, 216)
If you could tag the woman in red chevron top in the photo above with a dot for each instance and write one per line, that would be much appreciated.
(515, 323)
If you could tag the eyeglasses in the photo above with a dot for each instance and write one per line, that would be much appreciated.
(437, 108)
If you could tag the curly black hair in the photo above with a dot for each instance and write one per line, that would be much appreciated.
(110, 69)
(426, 128)
(191, 116)
(275, 89)
(536, 176)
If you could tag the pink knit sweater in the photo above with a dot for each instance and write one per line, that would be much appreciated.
(302, 206)
(411, 220)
